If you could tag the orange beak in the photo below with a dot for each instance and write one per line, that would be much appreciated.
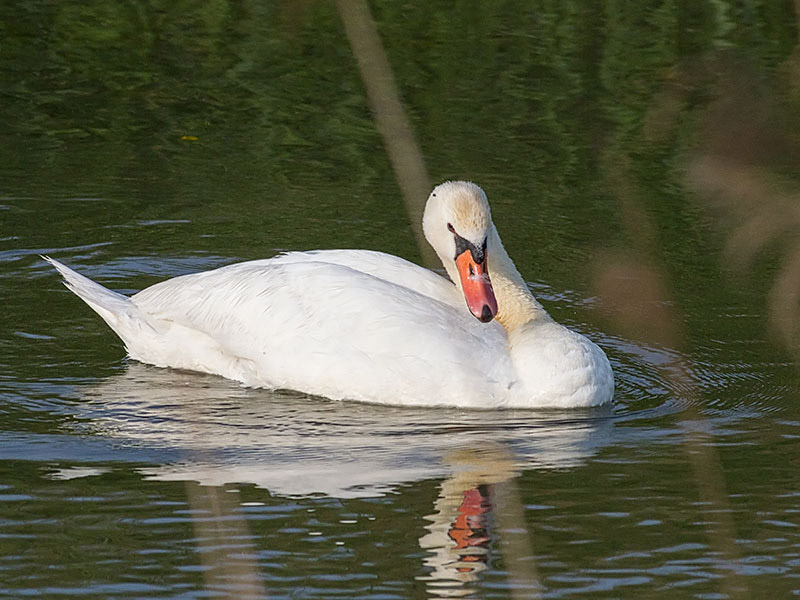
(477, 287)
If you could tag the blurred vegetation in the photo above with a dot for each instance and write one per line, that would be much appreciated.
(279, 78)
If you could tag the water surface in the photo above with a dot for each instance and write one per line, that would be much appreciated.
(641, 162)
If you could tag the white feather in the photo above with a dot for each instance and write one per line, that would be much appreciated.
(361, 325)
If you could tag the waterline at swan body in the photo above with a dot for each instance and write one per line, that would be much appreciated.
(363, 325)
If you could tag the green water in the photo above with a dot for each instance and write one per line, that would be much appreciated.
(641, 159)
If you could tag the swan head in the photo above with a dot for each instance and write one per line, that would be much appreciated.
(457, 223)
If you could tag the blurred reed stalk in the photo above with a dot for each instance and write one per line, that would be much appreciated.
(744, 138)
(746, 144)
(224, 524)
(516, 540)
(414, 181)
(390, 116)
(634, 290)
(748, 136)
(764, 211)
(218, 529)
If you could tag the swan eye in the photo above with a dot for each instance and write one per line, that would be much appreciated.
(450, 228)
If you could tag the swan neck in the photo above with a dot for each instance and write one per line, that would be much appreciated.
(516, 304)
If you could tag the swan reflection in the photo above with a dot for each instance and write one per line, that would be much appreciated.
(292, 444)
(462, 528)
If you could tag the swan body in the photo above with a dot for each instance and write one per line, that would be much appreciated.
(363, 325)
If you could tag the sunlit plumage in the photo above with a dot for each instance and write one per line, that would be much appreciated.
(362, 325)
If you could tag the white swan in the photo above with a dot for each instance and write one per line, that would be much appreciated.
(369, 326)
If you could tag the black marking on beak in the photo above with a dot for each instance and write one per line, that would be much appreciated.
(462, 245)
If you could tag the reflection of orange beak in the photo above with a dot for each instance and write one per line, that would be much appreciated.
(477, 287)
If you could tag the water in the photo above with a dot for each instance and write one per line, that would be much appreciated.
(641, 163)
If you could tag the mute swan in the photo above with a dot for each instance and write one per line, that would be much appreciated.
(363, 325)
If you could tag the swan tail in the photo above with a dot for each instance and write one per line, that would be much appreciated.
(118, 311)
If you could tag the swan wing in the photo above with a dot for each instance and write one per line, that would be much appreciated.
(383, 266)
(309, 322)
